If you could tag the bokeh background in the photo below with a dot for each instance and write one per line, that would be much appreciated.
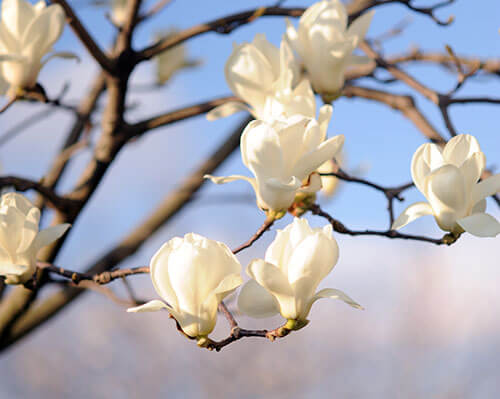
(431, 324)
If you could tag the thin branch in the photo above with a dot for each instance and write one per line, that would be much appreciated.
(223, 25)
(265, 226)
(84, 112)
(228, 315)
(160, 5)
(177, 115)
(339, 227)
(8, 104)
(173, 203)
(84, 36)
(21, 184)
(99, 278)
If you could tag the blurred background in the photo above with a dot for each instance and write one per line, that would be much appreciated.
(431, 325)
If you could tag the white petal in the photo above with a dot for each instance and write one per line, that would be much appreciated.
(49, 235)
(67, 55)
(278, 194)
(226, 109)
(480, 207)
(255, 301)
(313, 185)
(16, 15)
(249, 74)
(12, 58)
(261, 151)
(292, 36)
(472, 169)
(12, 269)
(325, 114)
(460, 148)
(360, 25)
(29, 230)
(315, 257)
(229, 179)
(336, 294)
(272, 279)
(480, 225)
(151, 306)
(446, 194)
(196, 269)
(44, 31)
(8, 42)
(310, 162)
(227, 285)
(485, 188)
(427, 158)
(411, 213)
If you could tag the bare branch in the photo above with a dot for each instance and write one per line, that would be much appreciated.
(223, 25)
(99, 278)
(173, 203)
(177, 115)
(20, 184)
(84, 36)
(339, 227)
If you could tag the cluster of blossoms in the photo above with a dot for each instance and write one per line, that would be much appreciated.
(285, 148)
(287, 144)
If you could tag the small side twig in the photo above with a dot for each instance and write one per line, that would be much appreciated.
(265, 226)
(339, 227)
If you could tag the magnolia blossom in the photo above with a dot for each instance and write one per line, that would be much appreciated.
(448, 179)
(119, 11)
(27, 33)
(286, 280)
(172, 60)
(325, 44)
(192, 275)
(283, 156)
(264, 77)
(20, 239)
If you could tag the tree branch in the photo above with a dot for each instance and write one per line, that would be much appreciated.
(84, 36)
(173, 203)
(20, 184)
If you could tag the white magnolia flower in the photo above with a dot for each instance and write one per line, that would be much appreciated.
(20, 239)
(119, 12)
(172, 60)
(325, 44)
(27, 33)
(286, 280)
(192, 275)
(283, 156)
(264, 77)
(448, 179)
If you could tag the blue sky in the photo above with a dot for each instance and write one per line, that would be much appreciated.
(148, 169)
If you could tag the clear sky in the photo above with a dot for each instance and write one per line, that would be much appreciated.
(369, 268)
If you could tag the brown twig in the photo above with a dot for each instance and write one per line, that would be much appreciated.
(177, 115)
(223, 25)
(62, 204)
(173, 203)
(8, 104)
(99, 278)
(339, 227)
(265, 226)
(84, 36)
